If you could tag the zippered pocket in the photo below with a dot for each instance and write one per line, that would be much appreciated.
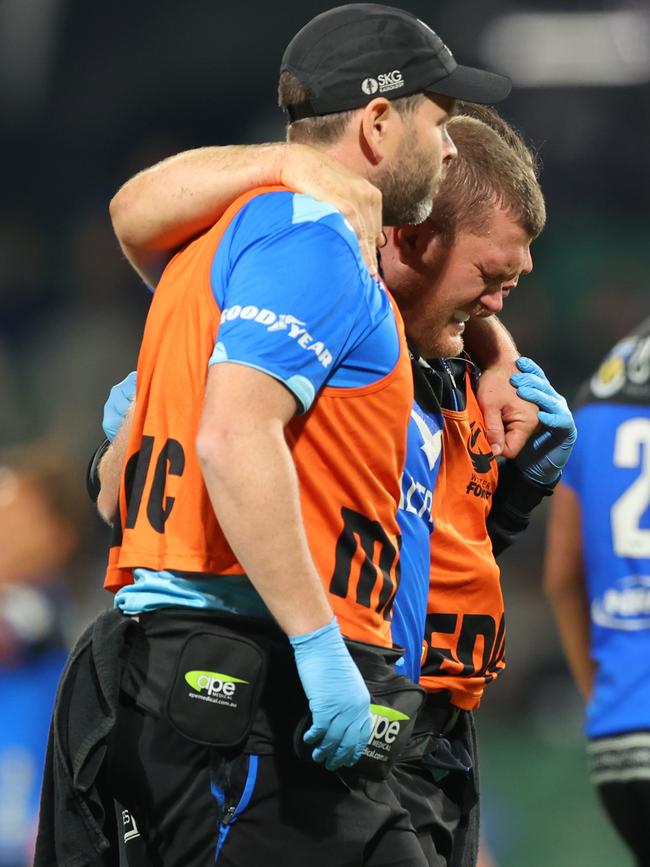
(233, 796)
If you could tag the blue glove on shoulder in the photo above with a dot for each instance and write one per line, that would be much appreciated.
(547, 451)
(338, 697)
(120, 398)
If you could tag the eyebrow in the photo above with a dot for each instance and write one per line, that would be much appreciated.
(500, 274)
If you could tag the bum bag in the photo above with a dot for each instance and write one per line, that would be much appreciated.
(231, 682)
(204, 672)
(394, 704)
(214, 694)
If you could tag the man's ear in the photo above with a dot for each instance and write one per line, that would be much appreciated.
(377, 129)
(410, 243)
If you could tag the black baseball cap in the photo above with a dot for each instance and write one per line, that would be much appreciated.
(348, 55)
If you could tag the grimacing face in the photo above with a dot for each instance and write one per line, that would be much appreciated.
(446, 285)
(409, 181)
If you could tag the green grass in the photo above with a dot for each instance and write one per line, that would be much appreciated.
(539, 809)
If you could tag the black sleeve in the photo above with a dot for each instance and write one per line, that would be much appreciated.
(512, 504)
(92, 475)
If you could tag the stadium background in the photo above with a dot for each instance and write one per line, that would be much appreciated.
(91, 92)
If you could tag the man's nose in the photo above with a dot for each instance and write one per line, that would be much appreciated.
(449, 150)
(493, 301)
(528, 265)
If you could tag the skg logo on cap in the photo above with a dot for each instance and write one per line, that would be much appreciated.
(386, 726)
(383, 83)
(214, 687)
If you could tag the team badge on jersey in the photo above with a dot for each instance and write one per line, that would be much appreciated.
(480, 460)
(482, 457)
(610, 376)
(626, 369)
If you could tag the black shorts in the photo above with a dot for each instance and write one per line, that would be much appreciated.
(620, 770)
(193, 806)
(442, 802)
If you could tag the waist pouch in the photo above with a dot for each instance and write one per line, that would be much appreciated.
(216, 688)
(204, 671)
(394, 703)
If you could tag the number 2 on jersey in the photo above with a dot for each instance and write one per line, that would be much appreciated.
(632, 450)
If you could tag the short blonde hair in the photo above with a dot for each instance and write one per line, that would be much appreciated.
(493, 164)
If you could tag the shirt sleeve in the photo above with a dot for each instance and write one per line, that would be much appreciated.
(290, 307)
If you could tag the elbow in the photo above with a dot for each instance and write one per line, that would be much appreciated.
(558, 586)
(223, 450)
(106, 507)
(121, 210)
(205, 450)
(212, 451)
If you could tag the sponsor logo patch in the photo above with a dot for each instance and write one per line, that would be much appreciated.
(295, 328)
(386, 726)
(131, 830)
(383, 83)
(629, 361)
(626, 606)
(213, 686)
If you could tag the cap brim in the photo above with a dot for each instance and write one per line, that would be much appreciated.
(472, 85)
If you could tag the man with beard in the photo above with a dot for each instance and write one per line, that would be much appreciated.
(247, 492)
(457, 265)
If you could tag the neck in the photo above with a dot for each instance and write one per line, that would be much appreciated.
(349, 154)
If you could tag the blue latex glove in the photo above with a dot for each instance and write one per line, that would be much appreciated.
(547, 451)
(338, 697)
(120, 398)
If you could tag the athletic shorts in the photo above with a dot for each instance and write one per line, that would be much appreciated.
(191, 806)
(187, 804)
(620, 770)
(441, 797)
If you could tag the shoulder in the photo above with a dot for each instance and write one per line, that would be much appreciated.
(624, 374)
(291, 219)
(297, 246)
(307, 212)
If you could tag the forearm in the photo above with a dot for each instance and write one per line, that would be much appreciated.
(164, 206)
(513, 502)
(564, 583)
(571, 609)
(252, 483)
(490, 343)
(110, 470)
